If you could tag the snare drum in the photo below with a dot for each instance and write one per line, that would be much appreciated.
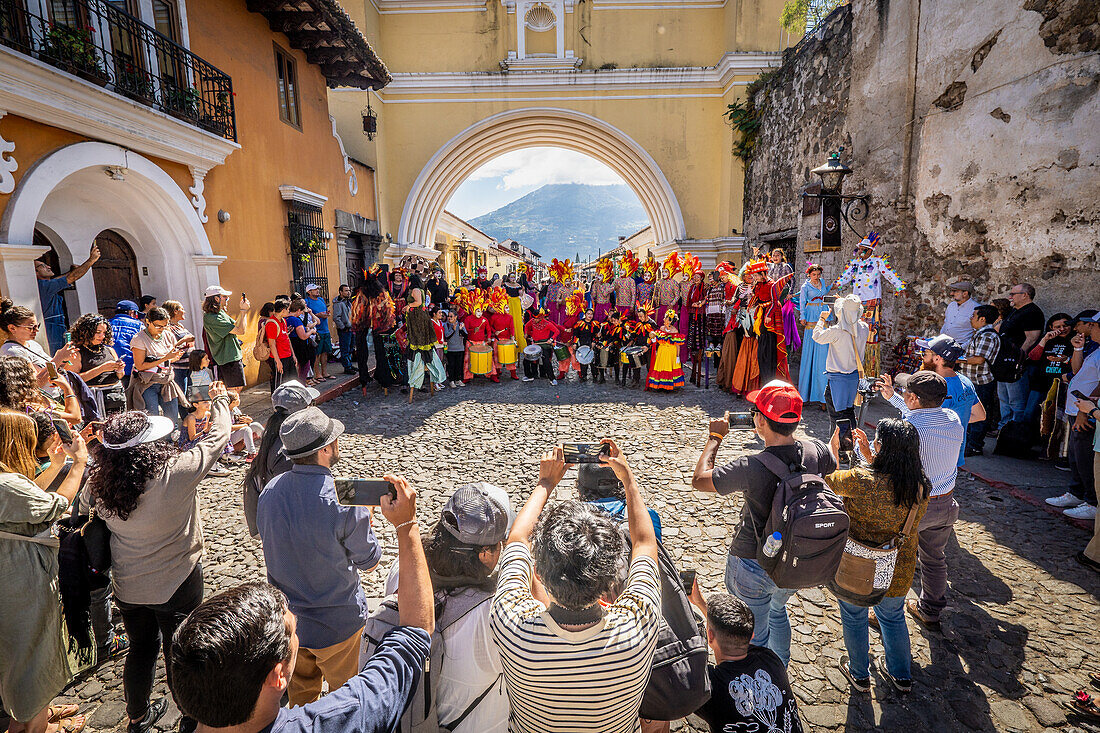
(481, 359)
(605, 357)
(506, 352)
(562, 353)
(533, 352)
(632, 355)
(585, 355)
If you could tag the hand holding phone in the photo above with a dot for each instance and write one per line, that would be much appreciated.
(51, 369)
(844, 427)
(363, 491)
(584, 452)
(687, 579)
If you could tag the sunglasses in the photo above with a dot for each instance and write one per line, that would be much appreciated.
(33, 327)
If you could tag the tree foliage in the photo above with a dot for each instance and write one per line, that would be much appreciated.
(802, 16)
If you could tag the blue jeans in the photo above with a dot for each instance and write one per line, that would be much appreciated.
(153, 405)
(182, 377)
(1013, 397)
(895, 637)
(975, 431)
(345, 335)
(768, 603)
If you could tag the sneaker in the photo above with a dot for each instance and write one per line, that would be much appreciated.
(872, 620)
(461, 384)
(554, 382)
(219, 471)
(118, 645)
(441, 386)
(902, 686)
(1085, 511)
(528, 379)
(152, 715)
(1065, 501)
(859, 684)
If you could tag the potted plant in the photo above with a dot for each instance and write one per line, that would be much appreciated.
(218, 117)
(304, 244)
(135, 83)
(73, 50)
(182, 102)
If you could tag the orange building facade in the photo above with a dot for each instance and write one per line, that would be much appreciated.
(190, 140)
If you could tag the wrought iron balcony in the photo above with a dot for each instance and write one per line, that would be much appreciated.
(107, 46)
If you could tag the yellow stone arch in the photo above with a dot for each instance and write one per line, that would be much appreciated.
(537, 127)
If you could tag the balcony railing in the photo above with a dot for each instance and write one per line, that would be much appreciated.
(107, 46)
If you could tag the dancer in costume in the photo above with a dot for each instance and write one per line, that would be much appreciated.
(625, 289)
(561, 272)
(482, 282)
(779, 268)
(514, 290)
(587, 333)
(602, 289)
(389, 370)
(771, 345)
(640, 328)
(734, 334)
(612, 337)
(845, 340)
(746, 373)
(811, 303)
(865, 272)
(714, 308)
(665, 371)
(399, 287)
(502, 326)
(542, 332)
(423, 358)
(645, 290)
(574, 312)
(692, 317)
(479, 337)
(668, 289)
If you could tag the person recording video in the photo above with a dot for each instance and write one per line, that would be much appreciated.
(844, 362)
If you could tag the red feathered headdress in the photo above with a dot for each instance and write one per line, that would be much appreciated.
(605, 268)
(672, 263)
(575, 303)
(630, 264)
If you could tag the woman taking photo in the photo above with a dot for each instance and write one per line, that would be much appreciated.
(19, 328)
(97, 363)
(184, 339)
(34, 664)
(146, 492)
(284, 365)
(152, 385)
(878, 500)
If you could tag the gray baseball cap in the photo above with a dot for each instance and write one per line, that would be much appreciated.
(292, 396)
(478, 514)
(927, 386)
(308, 431)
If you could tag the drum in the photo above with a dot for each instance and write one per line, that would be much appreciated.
(506, 352)
(605, 357)
(562, 353)
(632, 355)
(533, 352)
(585, 355)
(481, 359)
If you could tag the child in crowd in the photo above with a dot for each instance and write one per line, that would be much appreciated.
(750, 690)
(440, 343)
(200, 369)
(197, 422)
(245, 433)
(453, 335)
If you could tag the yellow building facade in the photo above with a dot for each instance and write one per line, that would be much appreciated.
(210, 159)
(641, 85)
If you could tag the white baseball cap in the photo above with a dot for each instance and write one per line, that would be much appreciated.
(216, 290)
(312, 286)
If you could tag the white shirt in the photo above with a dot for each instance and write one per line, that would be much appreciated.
(842, 357)
(941, 435)
(956, 321)
(1084, 381)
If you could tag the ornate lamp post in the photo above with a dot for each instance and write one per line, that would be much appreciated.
(464, 243)
(370, 122)
(835, 205)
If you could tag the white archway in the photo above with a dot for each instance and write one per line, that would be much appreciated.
(535, 127)
(81, 189)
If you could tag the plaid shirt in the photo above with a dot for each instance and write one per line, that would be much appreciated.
(985, 343)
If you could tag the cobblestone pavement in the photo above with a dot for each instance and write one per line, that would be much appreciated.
(1019, 633)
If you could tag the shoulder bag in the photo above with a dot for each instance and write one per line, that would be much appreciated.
(865, 572)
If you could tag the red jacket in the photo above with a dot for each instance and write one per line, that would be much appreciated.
(477, 329)
(540, 329)
(503, 325)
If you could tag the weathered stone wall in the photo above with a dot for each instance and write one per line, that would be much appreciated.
(976, 137)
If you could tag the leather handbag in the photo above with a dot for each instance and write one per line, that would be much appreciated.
(865, 572)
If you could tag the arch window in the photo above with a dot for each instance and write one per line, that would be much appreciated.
(540, 18)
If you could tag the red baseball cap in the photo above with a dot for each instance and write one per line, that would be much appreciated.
(777, 400)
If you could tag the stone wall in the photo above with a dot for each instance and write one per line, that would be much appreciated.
(972, 124)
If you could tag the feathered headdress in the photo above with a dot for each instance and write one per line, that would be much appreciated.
(497, 299)
(630, 264)
(650, 268)
(480, 299)
(690, 264)
(575, 303)
(725, 267)
(757, 266)
(869, 241)
(646, 309)
(672, 263)
(605, 269)
(463, 300)
(561, 270)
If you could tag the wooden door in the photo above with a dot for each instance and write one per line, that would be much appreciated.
(115, 273)
(355, 262)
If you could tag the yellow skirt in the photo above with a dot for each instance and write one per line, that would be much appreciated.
(517, 322)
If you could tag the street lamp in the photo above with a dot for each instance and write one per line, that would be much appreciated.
(835, 206)
(463, 243)
(370, 122)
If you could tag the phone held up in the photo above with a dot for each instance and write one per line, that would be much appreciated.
(847, 444)
(687, 579)
(740, 420)
(584, 452)
(51, 368)
(363, 491)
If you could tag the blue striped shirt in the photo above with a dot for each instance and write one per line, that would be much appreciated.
(941, 437)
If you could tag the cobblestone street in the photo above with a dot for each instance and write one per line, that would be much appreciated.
(1016, 637)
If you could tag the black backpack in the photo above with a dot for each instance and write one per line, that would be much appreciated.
(813, 523)
(1009, 365)
(1017, 439)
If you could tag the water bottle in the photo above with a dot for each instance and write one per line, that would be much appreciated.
(772, 544)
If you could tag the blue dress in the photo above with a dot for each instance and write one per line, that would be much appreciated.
(811, 371)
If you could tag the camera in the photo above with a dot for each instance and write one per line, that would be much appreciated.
(740, 420)
(868, 387)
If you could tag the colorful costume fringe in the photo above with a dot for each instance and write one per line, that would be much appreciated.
(665, 371)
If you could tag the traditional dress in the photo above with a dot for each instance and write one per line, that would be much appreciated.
(515, 308)
(601, 299)
(811, 370)
(389, 367)
(555, 301)
(776, 272)
(693, 320)
(668, 295)
(732, 336)
(665, 371)
(771, 346)
(479, 333)
(624, 295)
(865, 275)
(423, 358)
(714, 306)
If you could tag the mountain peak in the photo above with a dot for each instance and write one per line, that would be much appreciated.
(566, 219)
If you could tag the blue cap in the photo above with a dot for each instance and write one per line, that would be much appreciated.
(125, 306)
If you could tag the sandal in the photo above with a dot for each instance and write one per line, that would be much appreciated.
(1083, 706)
(72, 725)
(57, 712)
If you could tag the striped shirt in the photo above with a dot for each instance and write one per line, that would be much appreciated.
(941, 437)
(563, 681)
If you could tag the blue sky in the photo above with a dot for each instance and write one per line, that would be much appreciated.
(516, 174)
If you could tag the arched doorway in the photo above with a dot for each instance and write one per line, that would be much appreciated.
(115, 273)
(536, 127)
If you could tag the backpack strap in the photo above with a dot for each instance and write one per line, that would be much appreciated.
(907, 528)
(778, 467)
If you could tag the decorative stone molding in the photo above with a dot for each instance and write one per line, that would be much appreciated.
(198, 176)
(353, 180)
(8, 164)
(302, 196)
(397, 252)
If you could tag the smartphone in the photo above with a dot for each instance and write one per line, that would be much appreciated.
(845, 428)
(740, 420)
(1080, 395)
(199, 393)
(63, 430)
(687, 579)
(52, 369)
(585, 452)
(363, 491)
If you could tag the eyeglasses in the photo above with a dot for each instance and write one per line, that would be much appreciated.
(33, 327)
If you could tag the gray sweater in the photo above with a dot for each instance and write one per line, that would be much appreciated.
(157, 547)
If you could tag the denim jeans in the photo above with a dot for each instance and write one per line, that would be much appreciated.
(1013, 397)
(345, 336)
(975, 431)
(895, 637)
(768, 603)
(154, 405)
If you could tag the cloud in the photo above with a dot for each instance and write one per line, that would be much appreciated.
(534, 167)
